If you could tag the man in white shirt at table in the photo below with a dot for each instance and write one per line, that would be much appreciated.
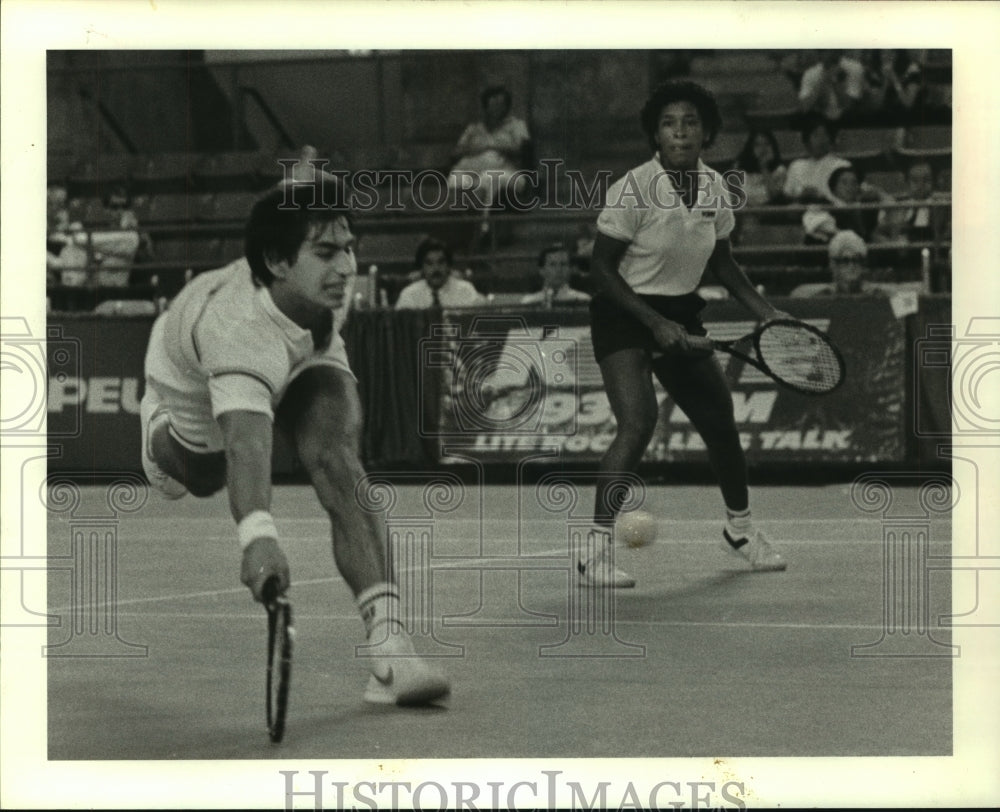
(438, 285)
(554, 268)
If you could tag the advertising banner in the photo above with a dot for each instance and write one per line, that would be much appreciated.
(95, 383)
(514, 386)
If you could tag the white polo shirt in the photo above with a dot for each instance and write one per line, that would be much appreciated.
(224, 345)
(669, 245)
(454, 293)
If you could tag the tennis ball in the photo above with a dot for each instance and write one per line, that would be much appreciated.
(637, 528)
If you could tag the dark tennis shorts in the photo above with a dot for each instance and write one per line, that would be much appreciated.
(613, 329)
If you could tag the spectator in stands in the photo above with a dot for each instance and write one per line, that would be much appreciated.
(555, 270)
(848, 259)
(764, 173)
(809, 178)
(847, 189)
(117, 246)
(499, 144)
(834, 86)
(896, 86)
(918, 224)
(439, 286)
(65, 242)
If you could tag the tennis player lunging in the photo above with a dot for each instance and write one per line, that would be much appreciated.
(663, 223)
(257, 343)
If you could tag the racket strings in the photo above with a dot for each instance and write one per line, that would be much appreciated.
(800, 357)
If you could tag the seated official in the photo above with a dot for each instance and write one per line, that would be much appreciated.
(438, 286)
(554, 268)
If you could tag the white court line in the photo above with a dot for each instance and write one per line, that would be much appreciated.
(455, 562)
(183, 596)
(503, 520)
(452, 540)
(502, 623)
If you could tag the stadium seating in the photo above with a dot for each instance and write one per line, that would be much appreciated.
(193, 205)
(228, 171)
(927, 141)
(891, 181)
(758, 234)
(728, 64)
(867, 148)
(723, 152)
(167, 208)
(790, 144)
(227, 206)
(98, 176)
(189, 249)
(163, 172)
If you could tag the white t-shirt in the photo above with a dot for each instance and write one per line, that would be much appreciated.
(827, 102)
(669, 245)
(223, 346)
(454, 293)
(804, 173)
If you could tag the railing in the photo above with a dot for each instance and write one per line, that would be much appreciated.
(492, 259)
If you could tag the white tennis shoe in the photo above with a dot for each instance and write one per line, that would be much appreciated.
(599, 569)
(400, 676)
(756, 549)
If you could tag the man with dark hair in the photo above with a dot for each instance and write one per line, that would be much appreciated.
(555, 269)
(257, 343)
(438, 286)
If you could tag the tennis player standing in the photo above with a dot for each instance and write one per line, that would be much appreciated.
(663, 224)
(258, 343)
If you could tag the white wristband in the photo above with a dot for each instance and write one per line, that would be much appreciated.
(255, 525)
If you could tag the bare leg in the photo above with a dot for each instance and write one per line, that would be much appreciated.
(323, 412)
(629, 386)
(699, 388)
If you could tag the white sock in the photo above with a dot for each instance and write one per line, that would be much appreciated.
(379, 604)
(739, 523)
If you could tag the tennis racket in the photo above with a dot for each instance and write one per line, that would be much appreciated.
(793, 353)
(280, 634)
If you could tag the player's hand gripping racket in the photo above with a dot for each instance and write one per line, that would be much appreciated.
(280, 634)
(795, 354)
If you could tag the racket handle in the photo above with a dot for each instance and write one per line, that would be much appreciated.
(700, 345)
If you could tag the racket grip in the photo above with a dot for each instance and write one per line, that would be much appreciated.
(700, 345)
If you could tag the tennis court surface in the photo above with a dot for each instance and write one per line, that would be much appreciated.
(702, 658)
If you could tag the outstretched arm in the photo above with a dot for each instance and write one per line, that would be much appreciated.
(248, 438)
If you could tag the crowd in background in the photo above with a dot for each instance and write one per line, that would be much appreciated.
(835, 89)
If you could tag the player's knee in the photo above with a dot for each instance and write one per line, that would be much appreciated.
(638, 427)
(720, 420)
(334, 461)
